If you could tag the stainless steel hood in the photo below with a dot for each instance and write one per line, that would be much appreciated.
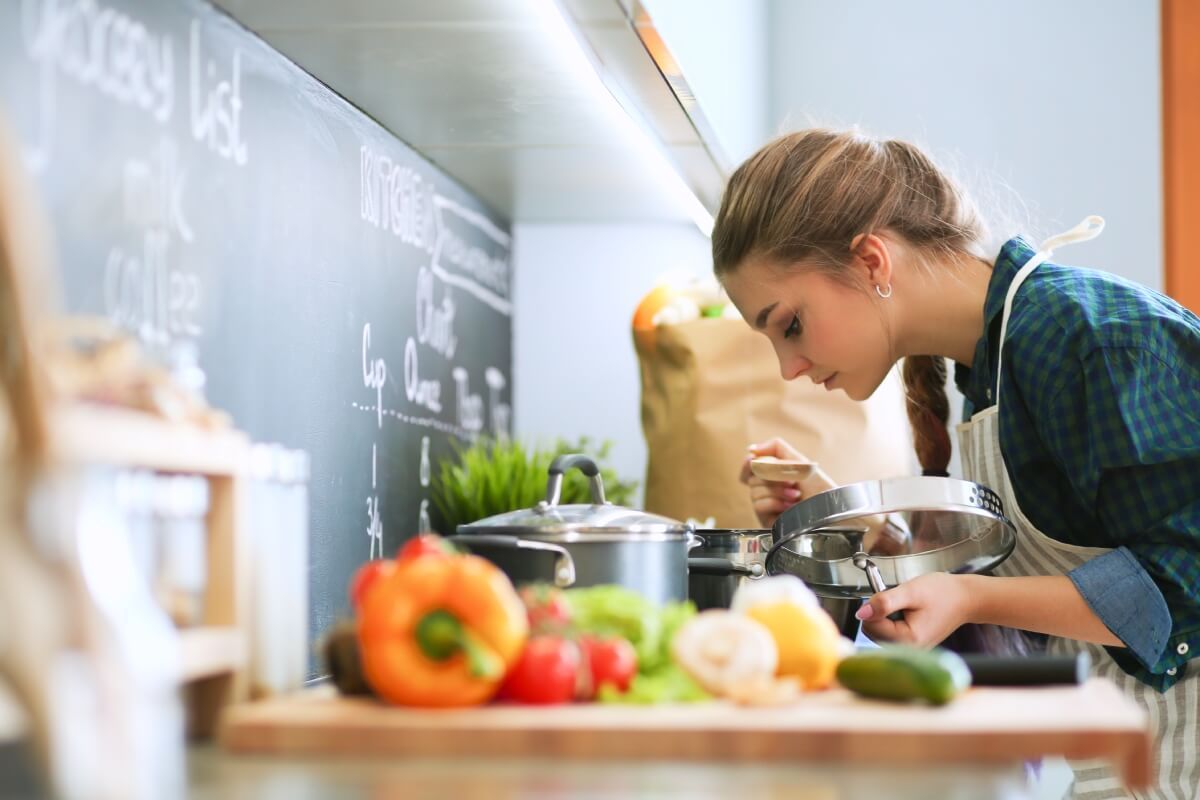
(492, 91)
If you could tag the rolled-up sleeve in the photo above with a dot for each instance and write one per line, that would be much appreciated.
(1121, 593)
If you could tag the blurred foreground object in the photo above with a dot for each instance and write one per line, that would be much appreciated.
(90, 658)
(90, 360)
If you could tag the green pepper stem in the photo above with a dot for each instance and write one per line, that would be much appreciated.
(481, 660)
(440, 635)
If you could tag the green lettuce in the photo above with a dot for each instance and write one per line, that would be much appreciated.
(610, 610)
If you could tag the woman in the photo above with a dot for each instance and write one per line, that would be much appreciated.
(850, 254)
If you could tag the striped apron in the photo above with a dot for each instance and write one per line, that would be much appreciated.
(1174, 715)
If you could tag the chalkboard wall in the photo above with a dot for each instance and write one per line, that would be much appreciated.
(343, 295)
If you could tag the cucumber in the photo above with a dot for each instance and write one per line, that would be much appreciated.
(899, 672)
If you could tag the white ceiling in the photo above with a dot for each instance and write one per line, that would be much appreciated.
(487, 91)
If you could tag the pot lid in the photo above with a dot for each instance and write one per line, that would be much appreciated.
(917, 526)
(578, 521)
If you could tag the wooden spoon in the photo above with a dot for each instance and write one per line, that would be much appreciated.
(770, 468)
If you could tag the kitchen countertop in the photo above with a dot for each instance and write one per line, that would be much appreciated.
(846, 745)
(318, 745)
(217, 775)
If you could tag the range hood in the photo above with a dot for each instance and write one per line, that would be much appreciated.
(503, 95)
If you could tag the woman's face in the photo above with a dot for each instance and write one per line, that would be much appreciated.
(831, 332)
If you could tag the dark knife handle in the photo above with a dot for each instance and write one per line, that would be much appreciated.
(722, 567)
(1028, 670)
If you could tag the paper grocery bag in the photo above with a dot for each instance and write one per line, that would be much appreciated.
(710, 387)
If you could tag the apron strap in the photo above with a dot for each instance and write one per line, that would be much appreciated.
(1089, 228)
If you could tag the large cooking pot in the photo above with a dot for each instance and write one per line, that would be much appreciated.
(603, 543)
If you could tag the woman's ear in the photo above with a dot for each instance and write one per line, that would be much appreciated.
(872, 261)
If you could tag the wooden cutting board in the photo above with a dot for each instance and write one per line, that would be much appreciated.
(985, 725)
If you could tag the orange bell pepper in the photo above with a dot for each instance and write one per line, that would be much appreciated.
(441, 631)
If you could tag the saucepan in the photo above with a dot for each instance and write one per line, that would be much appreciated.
(746, 548)
(936, 525)
(749, 547)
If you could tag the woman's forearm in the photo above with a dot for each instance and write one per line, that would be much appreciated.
(1042, 604)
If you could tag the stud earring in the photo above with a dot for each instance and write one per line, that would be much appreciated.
(882, 293)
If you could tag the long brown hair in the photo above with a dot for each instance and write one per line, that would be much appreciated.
(805, 196)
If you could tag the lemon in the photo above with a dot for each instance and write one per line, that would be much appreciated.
(807, 639)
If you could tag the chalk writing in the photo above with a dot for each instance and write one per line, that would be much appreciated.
(395, 198)
(470, 406)
(374, 372)
(482, 272)
(435, 324)
(104, 49)
(425, 392)
(501, 412)
(426, 471)
(216, 103)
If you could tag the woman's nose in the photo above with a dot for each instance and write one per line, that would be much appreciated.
(793, 367)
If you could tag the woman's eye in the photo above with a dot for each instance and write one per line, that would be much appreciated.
(793, 328)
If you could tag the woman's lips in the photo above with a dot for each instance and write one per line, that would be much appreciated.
(828, 382)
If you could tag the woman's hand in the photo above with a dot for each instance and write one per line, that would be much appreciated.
(934, 605)
(772, 498)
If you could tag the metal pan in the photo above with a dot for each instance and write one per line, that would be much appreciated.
(952, 525)
(744, 547)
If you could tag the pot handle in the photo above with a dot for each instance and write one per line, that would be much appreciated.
(586, 465)
(564, 565)
(863, 562)
(723, 567)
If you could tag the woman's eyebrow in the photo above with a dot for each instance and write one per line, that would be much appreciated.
(760, 321)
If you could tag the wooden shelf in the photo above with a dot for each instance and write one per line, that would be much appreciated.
(214, 656)
(94, 434)
(211, 650)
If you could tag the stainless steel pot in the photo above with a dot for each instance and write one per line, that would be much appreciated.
(950, 525)
(606, 543)
(522, 560)
(748, 547)
(745, 548)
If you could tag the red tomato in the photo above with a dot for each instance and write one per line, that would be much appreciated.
(366, 576)
(612, 661)
(547, 608)
(425, 544)
(545, 673)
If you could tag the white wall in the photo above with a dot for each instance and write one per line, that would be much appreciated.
(575, 290)
(1059, 100)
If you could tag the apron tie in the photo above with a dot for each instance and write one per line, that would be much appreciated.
(1089, 228)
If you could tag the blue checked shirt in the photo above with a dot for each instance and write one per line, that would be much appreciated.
(1100, 430)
